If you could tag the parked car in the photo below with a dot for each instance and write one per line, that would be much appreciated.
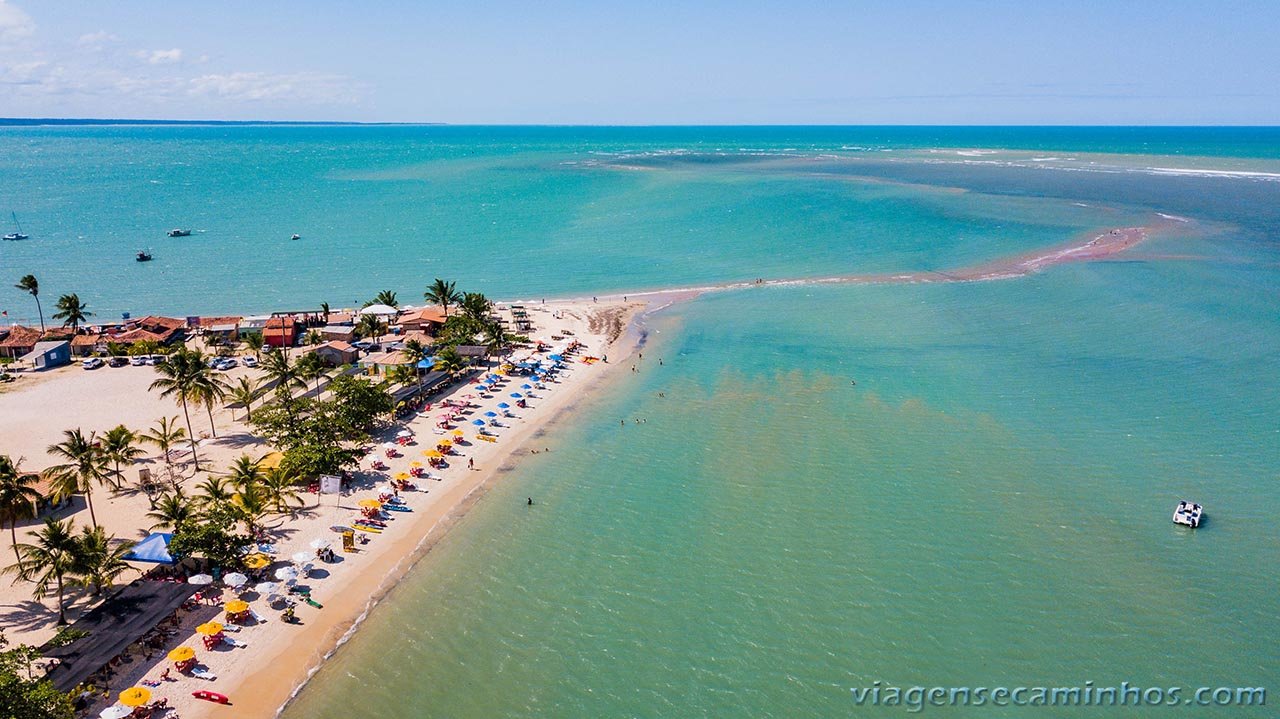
(249, 361)
(92, 363)
(154, 360)
(138, 360)
(117, 361)
(227, 363)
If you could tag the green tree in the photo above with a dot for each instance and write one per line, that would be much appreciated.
(313, 337)
(72, 311)
(442, 293)
(385, 297)
(280, 371)
(172, 509)
(18, 496)
(31, 286)
(280, 488)
(403, 374)
(84, 465)
(99, 560)
(324, 309)
(245, 392)
(311, 367)
(28, 697)
(212, 536)
(165, 435)
(180, 378)
(255, 342)
(250, 504)
(245, 474)
(49, 560)
(213, 493)
(416, 352)
(475, 306)
(142, 348)
(448, 360)
(211, 389)
(370, 327)
(120, 446)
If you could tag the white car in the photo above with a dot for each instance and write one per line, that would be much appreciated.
(138, 361)
(92, 363)
(154, 360)
(227, 364)
(249, 362)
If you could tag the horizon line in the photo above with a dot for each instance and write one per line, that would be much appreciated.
(71, 121)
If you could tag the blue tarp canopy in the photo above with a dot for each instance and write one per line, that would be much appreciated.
(427, 363)
(155, 548)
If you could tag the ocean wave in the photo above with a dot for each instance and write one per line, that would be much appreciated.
(1198, 172)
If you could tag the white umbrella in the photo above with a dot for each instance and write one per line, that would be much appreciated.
(235, 579)
(285, 574)
(389, 445)
(266, 587)
(116, 711)
(302, 557)
(199, 580)
(320, 543)
(404, 433)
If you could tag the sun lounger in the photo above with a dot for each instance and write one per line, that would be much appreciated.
(257, 617)
(205, 674)
(234, 642)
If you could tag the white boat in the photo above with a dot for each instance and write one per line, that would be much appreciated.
(16, 235)
(1188, 513)
(177, 232)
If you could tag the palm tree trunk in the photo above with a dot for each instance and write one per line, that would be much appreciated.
(192, 433)
(62, 611)
(13, 532)
(88, 498)
(41, 311)
(212, 426)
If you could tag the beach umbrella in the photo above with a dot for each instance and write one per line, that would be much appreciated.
(135, 696)
(209, 628)
(478, 422)
(286, 574)
(525, 386)
(435, 453)
(304, 557)
(184, 654)
(116, 711)
(200, 579)
(458, 433)
(491, 413)
(389, 445)
(321, 542)
(257, 561)
(414, 463)
(370, 504)
(556, 358)
(235, 579)
(503, 405)
(266, 588)
(404, 433)
(235, 606)
(445, 443)
(405, 475)
(517, 395)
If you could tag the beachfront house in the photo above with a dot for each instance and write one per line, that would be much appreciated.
(421, 319)
(281, 332)
(472, 353)
(47, 355)
(88, 344)
(226, 329)
(337, 353)
(18, 341)
(253, 325)
(339, 333)
(382, 362)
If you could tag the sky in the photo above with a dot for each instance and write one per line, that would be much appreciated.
(553, 62)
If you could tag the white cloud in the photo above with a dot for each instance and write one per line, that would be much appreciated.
(160, 57)
(14, 23)
(97, 40)
(307, 87)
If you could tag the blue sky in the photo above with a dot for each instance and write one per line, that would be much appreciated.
(690, 62)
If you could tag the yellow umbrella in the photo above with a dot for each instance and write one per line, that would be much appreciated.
(370, 504)
(404, 475)
(135, 696)
(446, 443)
(236, 606)
(434, 453)
(458, 433)
(209, 628)
(182, 654)
(414, 463)
(257, 561)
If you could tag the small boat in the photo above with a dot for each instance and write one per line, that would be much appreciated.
(179, 233)
(296, 237)
(214, 697)
(1188, 513)
(13, 236)
(143, 256)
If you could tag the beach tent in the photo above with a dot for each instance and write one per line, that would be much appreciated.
(380, 310)
(155, 548)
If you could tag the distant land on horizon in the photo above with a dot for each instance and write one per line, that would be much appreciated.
(38, 121)
(90, 121)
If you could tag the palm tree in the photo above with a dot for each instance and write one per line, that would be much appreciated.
(72, 311)
(180, 380)
(448, 360)
(255, 343)
(245, 392)
(385, 297)
(476, 306)
(210, 388)
(99, 559)
(324, 309)
(245, 474)
(31, 286)
(250, 503)
(442, 293)
(280, 488)
(279, 370)
(370, 326)
(164, 435)
(48, 560)
(120, 445)
(213, 492)
(144, 347)
(18, 496)
(85, 464)
(173, 509)
(313, 337)
(311, 367)
(403, 374)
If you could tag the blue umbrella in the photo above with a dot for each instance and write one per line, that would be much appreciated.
(478, 422)
(557, 358)
(491, 414)
(503, 405)
(525, 386)
(517, 395)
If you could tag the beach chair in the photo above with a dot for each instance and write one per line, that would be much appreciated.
(201, 673)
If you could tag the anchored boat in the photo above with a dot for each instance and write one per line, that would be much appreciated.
(1188, 513)
(12, 236)
(179, 233)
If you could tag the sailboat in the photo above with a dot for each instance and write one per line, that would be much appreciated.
(16, 235)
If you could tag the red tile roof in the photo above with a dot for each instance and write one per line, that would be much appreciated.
(20, 336)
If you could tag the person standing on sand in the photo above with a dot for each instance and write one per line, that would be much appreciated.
(530, 501)
(471, 462)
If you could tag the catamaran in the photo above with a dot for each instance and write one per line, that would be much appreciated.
(16, 235)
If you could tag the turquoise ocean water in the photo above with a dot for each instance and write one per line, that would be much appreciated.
(988, 506)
